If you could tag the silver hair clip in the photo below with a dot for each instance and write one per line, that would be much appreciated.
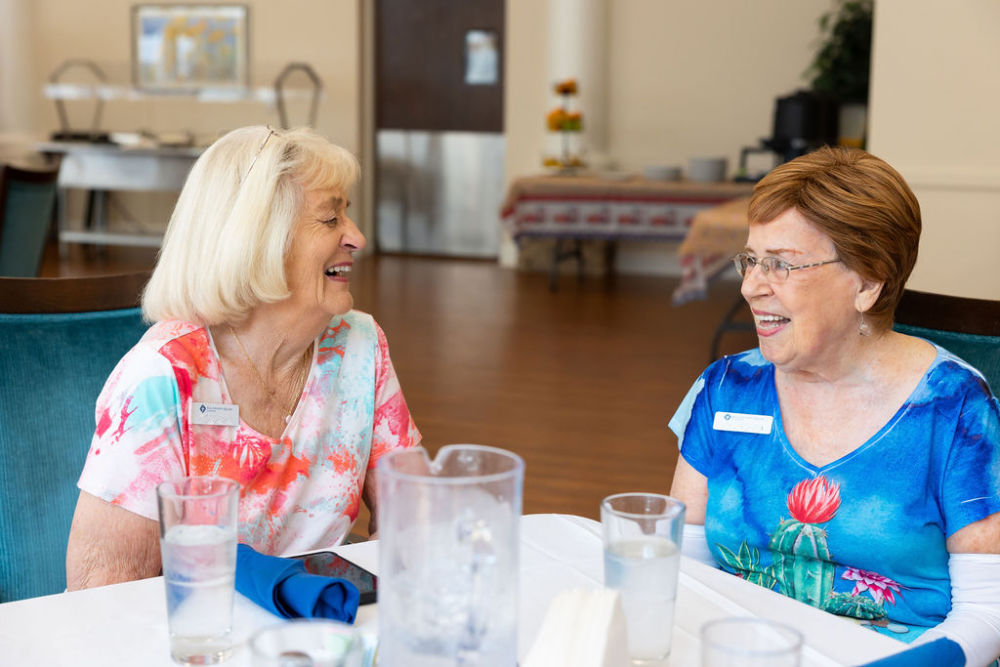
(257, 154)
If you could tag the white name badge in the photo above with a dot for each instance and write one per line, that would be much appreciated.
(739, 422)
(215, 414)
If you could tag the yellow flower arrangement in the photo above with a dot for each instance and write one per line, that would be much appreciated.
(562, 120)
(567, 87)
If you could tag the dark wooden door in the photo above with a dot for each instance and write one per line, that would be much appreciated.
(424, 77)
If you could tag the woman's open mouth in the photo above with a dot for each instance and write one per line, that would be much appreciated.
(769, 324)
(339, 272)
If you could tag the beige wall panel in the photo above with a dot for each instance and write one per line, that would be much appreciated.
(526, 96)
(934, 96)
(17, 69)
(692, 78)
(960, 243)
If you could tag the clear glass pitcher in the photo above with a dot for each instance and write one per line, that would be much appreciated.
(448, 556)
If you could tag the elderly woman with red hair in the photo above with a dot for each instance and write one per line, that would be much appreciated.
(844, 464)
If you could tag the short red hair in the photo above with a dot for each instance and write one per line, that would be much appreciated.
(862, 204)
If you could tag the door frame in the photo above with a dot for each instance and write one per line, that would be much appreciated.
(366, 115)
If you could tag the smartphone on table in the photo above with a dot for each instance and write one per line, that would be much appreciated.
(329, 564)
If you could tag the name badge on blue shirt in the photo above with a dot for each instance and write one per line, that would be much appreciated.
(739, 422)
(215, 414)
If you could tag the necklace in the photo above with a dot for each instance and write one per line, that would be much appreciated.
(272, 399)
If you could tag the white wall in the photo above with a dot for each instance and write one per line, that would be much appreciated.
(935, 92)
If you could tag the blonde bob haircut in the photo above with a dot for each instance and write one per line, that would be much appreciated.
(862, 204)
(224, 250)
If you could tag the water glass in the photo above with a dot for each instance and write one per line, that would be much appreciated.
(198, 522)
(642, 555)
(749, 642)
(307, 643)
(448, 556)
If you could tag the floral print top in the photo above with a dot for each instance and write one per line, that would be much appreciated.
(299, 492)
(863, 536)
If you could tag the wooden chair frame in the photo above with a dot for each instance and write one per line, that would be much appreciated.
(949, 313)
(71, 295)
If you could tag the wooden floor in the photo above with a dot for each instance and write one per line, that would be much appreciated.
(580, 382)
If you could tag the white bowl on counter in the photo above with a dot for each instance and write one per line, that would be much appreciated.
(661, 173)
(707, 169)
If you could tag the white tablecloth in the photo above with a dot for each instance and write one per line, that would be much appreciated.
(126, 624)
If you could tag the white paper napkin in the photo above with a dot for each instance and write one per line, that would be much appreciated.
(582, 628)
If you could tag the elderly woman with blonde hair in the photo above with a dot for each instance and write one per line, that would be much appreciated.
(844, 464)
(256, 367)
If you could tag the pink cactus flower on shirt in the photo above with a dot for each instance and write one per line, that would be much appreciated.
(877, 585)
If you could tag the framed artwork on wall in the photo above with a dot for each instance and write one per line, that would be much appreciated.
(190, 48)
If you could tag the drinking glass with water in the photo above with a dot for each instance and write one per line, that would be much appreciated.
(198, 521)
(749, 642)
(642, 554)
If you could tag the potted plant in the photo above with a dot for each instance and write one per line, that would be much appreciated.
(840, 68)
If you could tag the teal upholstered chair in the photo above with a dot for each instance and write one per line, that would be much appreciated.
(27, 199)
(60, 338)
(969, 328)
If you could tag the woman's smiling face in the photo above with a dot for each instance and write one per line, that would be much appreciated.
(318, 264)
(804, 323)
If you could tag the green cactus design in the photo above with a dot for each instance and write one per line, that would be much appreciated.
(746, 563)
(845, 604)
(802, 562)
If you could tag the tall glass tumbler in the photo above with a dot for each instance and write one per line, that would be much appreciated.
(198, 522)
(448, 556)
(642, 555)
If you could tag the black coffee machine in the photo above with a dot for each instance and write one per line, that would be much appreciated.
(803, 121)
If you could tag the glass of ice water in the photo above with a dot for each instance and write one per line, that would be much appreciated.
(642, 554)
(749, 642)
(198, 520)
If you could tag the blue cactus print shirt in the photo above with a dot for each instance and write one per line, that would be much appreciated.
(863, 536)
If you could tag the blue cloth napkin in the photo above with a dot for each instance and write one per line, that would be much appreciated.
(283, 587)
(938, 653)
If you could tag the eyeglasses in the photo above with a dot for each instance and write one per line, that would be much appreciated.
(256, 155)
(774, 269)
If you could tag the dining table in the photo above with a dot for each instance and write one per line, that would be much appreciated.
(608, 207)
(714, 236)
(126, 624)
